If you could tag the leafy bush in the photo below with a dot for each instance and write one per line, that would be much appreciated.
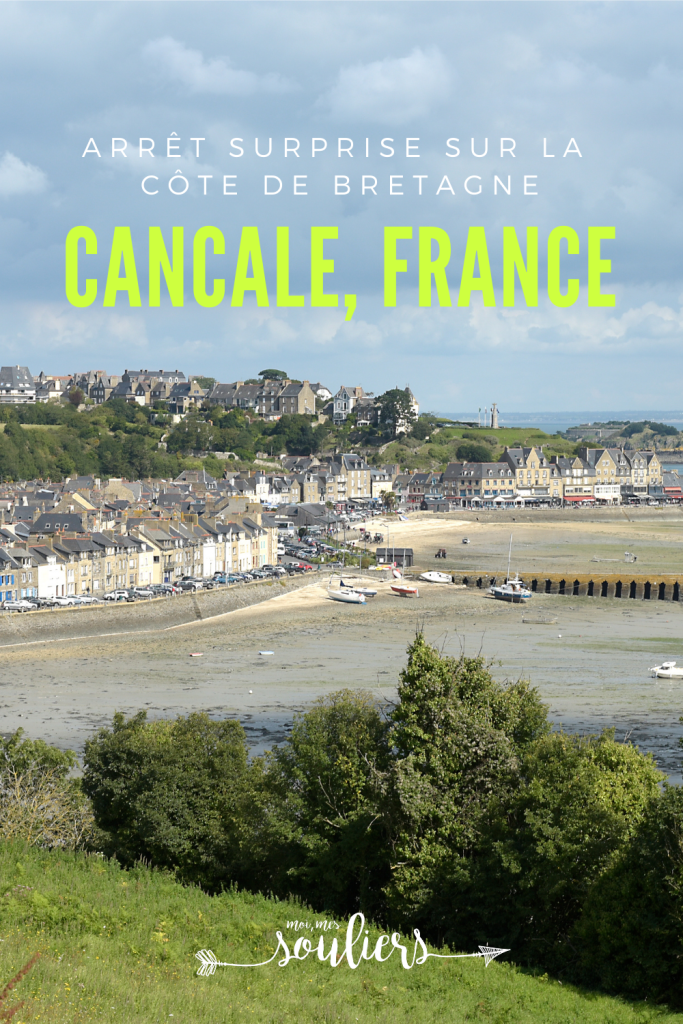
(456, 738)
(472, 451)
(661, 429)
(579, 803)
(321, 837)
(455, 810)
(173, 792)
(630, 935)
(38, 802)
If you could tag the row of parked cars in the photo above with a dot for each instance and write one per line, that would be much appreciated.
(187, 583)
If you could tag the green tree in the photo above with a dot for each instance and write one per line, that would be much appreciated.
(630, 935)
(456, 735)
(297, 433)
(579, 803)
(20, 754)
(273, 374)
(423, 427)
(471, 451)
(76, 396)
(138, 456)
(173, 792)
(323, 837)
(396, 409)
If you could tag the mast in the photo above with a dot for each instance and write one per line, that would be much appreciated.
(509, 556)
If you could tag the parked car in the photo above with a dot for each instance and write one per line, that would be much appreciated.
(17, 606)
(119, 595)
(88, 599)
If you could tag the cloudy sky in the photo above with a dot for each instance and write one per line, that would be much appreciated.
(608, 76)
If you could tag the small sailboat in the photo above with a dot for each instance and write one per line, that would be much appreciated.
(405, 590)
(347, 596)
(513, 589)
(667, 670)
(351, 587)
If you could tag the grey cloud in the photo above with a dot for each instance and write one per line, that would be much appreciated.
(188, 67)
(393, 90)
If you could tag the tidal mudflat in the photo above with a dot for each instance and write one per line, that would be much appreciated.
(589, 659)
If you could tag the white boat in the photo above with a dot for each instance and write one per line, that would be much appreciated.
(405, 590)
(351, 587)
(667, 670)
(513, 588)
(347, 596)
(436, 577)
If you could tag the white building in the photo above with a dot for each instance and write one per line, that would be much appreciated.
(16, 385)
(49, 570)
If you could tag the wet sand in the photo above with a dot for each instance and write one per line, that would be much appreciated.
(590, 666)
(585, 541)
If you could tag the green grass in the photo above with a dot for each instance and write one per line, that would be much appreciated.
(441, 448)
(120, 946)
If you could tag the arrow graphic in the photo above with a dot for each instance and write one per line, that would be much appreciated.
(488, 952)
(209, 961)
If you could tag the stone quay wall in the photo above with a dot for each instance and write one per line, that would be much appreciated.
(638, 586)
(18, 628)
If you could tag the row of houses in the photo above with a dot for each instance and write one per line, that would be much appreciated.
(58, 556)
(605, 475)
(269, 399)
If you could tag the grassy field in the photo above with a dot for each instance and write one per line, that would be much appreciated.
(120, 946)
(41, 426)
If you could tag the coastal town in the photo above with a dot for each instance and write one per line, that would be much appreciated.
(84, 537)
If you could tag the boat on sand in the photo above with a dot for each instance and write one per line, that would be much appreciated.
(513, 589)
(436, 577)
(347, 596)
(405, 590)
(365, 591)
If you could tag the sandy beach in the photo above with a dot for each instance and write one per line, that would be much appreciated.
(589, 660)
(580, 541)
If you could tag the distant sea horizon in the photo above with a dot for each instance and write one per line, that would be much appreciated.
(554, 422)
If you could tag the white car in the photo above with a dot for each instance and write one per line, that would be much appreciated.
(18, 606)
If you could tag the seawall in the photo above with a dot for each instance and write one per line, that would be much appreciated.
(638, 586)
(52, 624)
